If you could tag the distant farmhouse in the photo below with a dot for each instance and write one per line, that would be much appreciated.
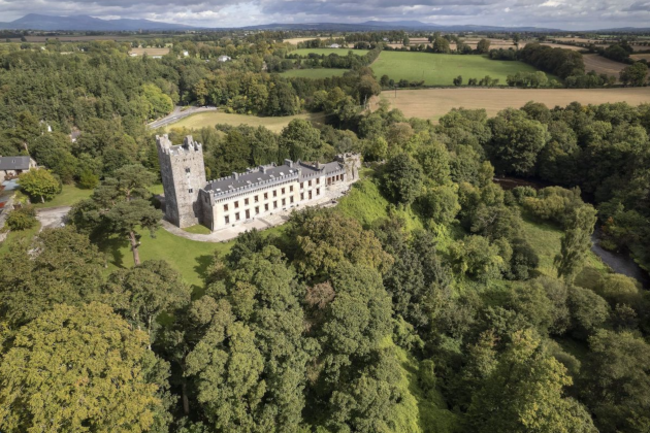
(232, 200)
(12, 166)
(224, 58)
(335, 46)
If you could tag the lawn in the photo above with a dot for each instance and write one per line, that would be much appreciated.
(15, 237)
(327, 51)
(211, 118)
(70, 195)
(441, 69)
(315, 73)
(545, 239)
(190, 258)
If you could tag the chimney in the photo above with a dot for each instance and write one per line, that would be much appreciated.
(262, 169)
(318, 166)
(288, 162)
(235, 175)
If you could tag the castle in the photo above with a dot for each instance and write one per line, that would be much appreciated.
(190, 199)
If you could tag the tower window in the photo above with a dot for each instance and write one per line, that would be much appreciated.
(191, 190)
(187, 170)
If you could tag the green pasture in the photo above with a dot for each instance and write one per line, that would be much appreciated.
(441, 69)
(327, 51)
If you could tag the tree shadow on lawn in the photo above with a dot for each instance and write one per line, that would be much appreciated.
(112, 247)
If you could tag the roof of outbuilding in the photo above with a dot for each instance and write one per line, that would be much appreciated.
(14, 162)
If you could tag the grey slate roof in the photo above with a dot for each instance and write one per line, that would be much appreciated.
(14, 163)
(251, 177)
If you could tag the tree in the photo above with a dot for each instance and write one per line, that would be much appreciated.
(22, 218)
(40, 184)
(617, 382)
(483, 46)
(120, 206)
(300, 140)
(576, 242)
(402, 179)
(79, 369)
(525, 393)
(634, 74)
(458, 81)
(142, 293)
(63, 267)
(516, 142)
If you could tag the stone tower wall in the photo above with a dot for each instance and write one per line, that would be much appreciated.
(183, 175)
(352, 162)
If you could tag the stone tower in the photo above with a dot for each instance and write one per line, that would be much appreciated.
(352, 162)
(183, 175)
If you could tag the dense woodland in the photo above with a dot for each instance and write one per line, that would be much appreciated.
(437, 317)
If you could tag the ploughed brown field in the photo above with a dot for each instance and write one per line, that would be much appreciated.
(434, 103)
(594, 62)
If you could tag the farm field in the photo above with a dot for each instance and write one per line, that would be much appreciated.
(594, 62)
(441, 69)
(637, 57)
(151, 51)
(211, 118)
(434, 103)
(327, 51)
(295, 41)
(315, 73)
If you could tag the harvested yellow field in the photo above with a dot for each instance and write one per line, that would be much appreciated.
(594, 62)
(211, 118)
(295, 41)
(434, 103)
(638, 57)
(151, 51)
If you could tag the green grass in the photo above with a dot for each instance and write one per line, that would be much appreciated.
(190, 258)
(70, 195)
(211, 118)
(545, 239)
(365, 203)
(156, 189)
(441, 69)
(327, 51)
(198, 229)
(315, 73)
(15, 237)
(417, 411)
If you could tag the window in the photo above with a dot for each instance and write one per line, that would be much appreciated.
(237, 216)
(275, 205)
(246, 201)
(309, 195)
(302, 185)
(225, 208)
(257, 198)
(187, 170)
(266, 195)
(275, 193)
(266, 207)
(318, 181)
(317, 191)
(282, 191)
(227, 218)
(284, 201)
(237, 205)
(291, 199)
(257, 210)
(302, 196)
(191, 190)
(248, 214)
(309, 183)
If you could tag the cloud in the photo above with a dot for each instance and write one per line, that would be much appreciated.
(574, 14)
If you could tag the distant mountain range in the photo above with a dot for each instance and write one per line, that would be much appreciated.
(88, 23)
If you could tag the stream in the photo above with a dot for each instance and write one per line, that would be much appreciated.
(620, 263)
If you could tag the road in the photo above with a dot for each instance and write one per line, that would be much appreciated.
(177, 115)
(52, 217)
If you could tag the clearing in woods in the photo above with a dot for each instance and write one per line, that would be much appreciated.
(441, 69)
(211, 118)
(434, 103)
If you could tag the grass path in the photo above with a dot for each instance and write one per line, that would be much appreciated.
(211, 118)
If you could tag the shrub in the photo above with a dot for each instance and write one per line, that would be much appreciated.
(22, 219)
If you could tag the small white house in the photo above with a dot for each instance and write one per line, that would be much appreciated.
(224, 58)
(186, 54)
(335, 46)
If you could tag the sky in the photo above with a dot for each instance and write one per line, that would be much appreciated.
(562, 14)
